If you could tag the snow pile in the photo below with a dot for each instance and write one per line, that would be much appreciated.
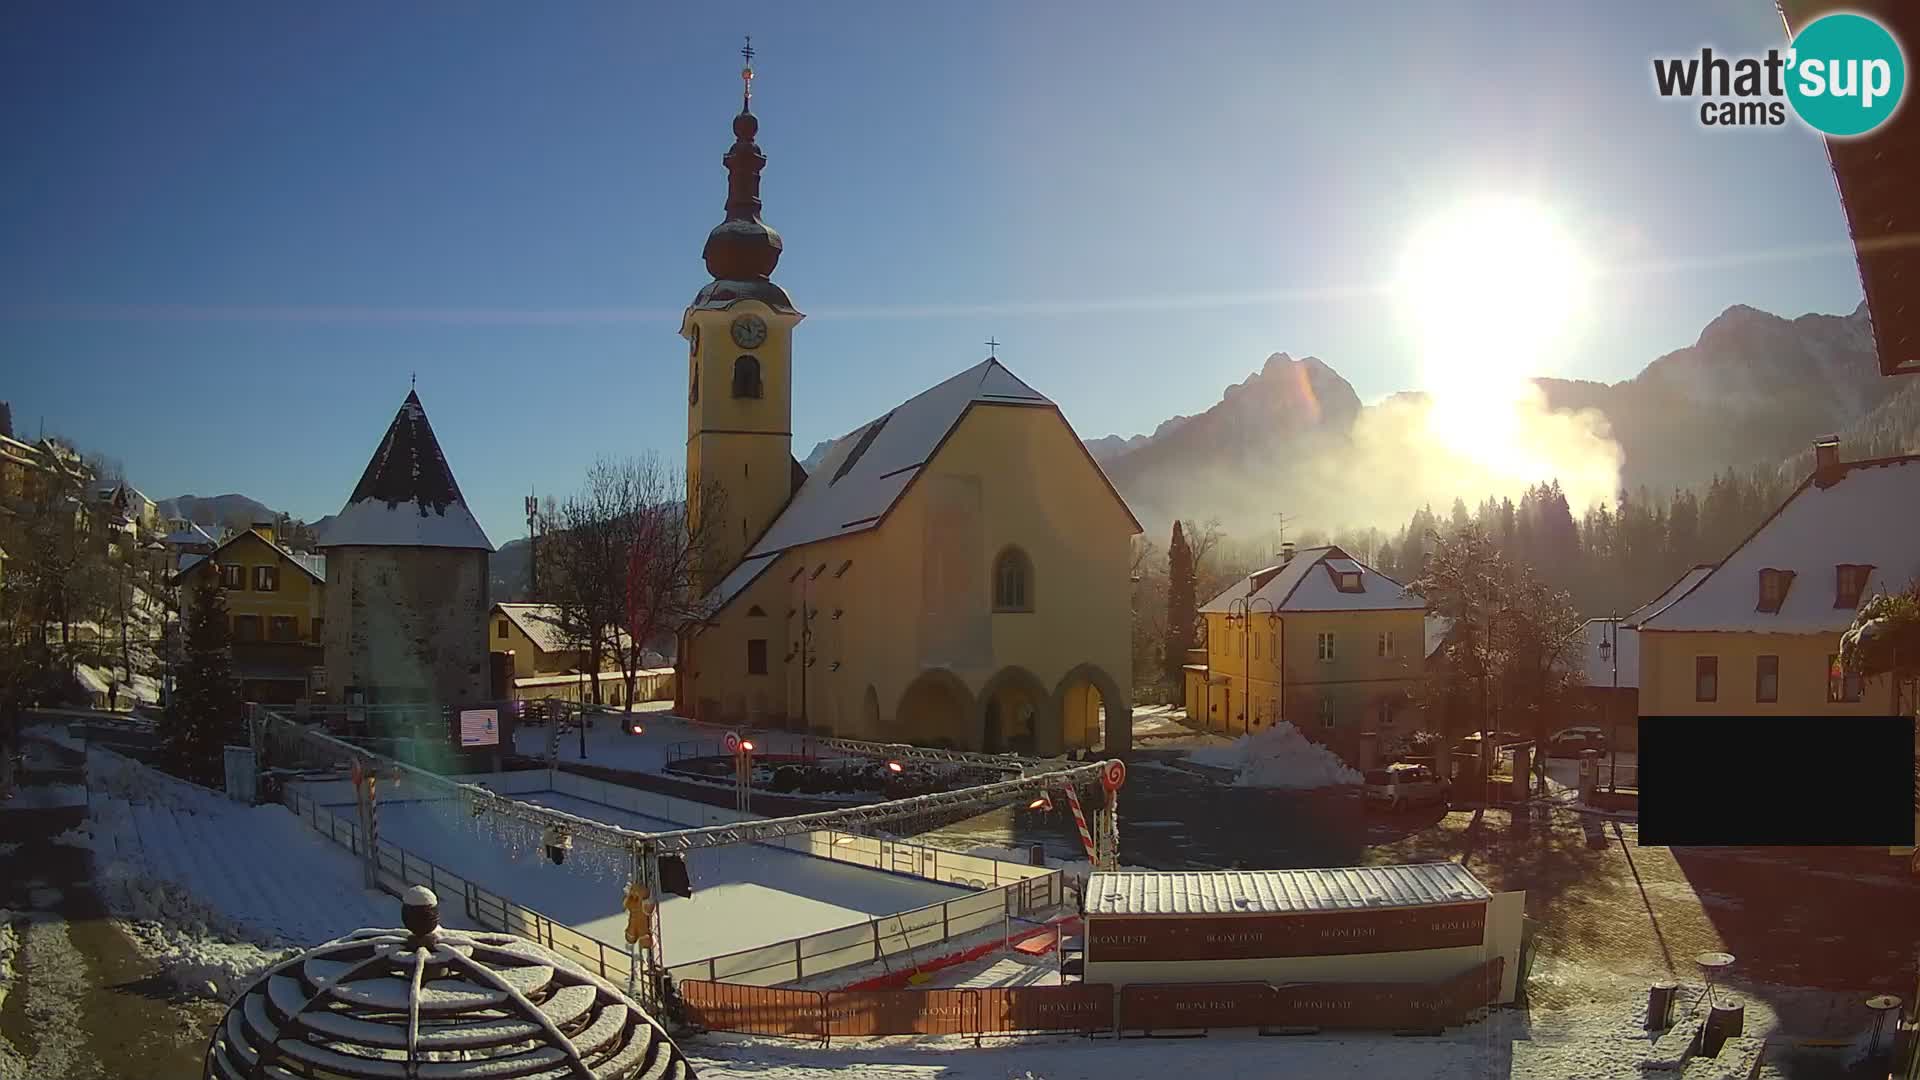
(214, 889)
(1278, 757)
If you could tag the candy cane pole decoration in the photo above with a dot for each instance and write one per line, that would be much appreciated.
(1080, 822)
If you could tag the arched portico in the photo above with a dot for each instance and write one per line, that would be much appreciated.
(936, 709)
(1014, 713)
(1085, 696)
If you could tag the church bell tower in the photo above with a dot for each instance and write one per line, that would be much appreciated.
(739, 331)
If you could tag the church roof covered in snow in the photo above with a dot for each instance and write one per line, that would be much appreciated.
(865, 472)
(1864, 514)
(1317, 579)
(407, 497)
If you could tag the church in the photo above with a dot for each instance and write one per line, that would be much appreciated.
(955, 572)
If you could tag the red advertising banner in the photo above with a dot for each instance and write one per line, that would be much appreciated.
(755, 1010)
(1148, 1006)
(1076, 1007)
(903, 1012)
(1133, 938)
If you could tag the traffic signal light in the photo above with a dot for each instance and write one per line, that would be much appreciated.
(673, 876)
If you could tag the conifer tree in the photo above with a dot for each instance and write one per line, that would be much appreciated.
(206, 712)
(1180, 603)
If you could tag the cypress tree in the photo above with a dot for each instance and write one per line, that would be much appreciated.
(1180, 603)
(206, 711)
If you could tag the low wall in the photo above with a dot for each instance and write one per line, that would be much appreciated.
(1091, 1007)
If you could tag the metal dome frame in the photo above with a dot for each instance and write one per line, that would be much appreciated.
(428, 1002)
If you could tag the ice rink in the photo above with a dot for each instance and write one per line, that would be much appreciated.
(744, 895)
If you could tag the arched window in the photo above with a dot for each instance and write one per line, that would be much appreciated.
(1012, 581)
(746, 377)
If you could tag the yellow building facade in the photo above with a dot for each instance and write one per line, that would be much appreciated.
(955, 572)
(276, 611)
(1759, 634)
(532, 660)
(1321, 641)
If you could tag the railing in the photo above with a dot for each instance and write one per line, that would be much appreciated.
(1007, 889)
(398, 868)
(1610, 777)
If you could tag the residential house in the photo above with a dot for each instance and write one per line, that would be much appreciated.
(275, 609)
(1609, 663)
(533, 658)
(954, 572)
(1759, 634)
(1320, 640)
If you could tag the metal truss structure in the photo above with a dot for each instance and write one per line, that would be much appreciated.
(290, 741)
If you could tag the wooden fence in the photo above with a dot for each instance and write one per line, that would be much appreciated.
(1142, 1008)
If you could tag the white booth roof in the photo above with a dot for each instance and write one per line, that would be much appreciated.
(1274, 892)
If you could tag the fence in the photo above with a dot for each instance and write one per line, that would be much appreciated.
(822, 1015)
(398, 868)
(1087, 1008)
(1007, 890)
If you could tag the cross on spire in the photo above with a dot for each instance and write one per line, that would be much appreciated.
(413, 380)
(746, 76)
(992, 349)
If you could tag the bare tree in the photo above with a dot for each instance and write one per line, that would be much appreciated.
(620, 561)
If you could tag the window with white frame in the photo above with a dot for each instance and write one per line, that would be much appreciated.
(1383, 645)
(1327, 716)
(1323, 645)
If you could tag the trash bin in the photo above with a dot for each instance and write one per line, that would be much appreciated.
(1660, 999)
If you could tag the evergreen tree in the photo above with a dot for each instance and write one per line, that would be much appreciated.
(206, 712)
(1181, 603)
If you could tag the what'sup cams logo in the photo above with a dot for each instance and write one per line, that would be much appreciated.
(1843, 75)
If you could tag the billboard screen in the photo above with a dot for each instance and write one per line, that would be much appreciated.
(480, 727)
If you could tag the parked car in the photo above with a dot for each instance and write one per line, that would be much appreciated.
(1400, 787)
(1471, 744)
(1569, 743)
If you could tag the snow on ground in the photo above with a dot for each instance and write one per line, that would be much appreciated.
(1278, 757)
(56, 733)
(53, 1007)
(744, 895)
(47, 797)
(9, 944)
(214, 888)
(608, 743)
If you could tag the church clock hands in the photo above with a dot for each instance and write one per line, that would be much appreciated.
(749, 331)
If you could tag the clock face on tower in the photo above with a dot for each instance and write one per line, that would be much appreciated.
(749, 331)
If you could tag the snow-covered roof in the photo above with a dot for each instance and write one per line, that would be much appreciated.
(407, 497)
(1307, 583)
(538, 622)
(864, 473)
(1867, 516)
(1268, 892)
(1673, 592)
(314, 565)
(1597, 665)
(190, 536)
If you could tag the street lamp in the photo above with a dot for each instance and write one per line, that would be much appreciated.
(1610, 652)
(1242, 609)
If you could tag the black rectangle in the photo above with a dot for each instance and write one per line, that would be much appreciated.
(1777, 781)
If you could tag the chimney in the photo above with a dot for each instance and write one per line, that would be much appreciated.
(264, 529)
(1826, 460)
(1286, 552)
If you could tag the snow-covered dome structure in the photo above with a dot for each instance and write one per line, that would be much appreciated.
(428, 1002)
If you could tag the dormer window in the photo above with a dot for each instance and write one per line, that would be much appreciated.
(1773, 589)
(1849, 581)
(1346, 575)
(1350, 583)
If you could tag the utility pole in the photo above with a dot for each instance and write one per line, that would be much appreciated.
(1613, 733)
(533, 549)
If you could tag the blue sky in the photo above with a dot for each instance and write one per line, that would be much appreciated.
(229, 231)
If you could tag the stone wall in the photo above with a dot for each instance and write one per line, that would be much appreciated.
(407, 624)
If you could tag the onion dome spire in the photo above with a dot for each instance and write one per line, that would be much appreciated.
(742, 250)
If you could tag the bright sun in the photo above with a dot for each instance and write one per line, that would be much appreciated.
(1490, 289)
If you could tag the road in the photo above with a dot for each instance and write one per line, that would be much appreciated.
(84, 1003)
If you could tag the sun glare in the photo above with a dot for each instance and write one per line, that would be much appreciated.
(1490, 289)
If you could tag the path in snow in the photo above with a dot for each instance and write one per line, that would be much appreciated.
(744, 895)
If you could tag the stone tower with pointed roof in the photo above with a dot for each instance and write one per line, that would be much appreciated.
(407, 579)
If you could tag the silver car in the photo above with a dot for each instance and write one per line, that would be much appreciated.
(1400, 787)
